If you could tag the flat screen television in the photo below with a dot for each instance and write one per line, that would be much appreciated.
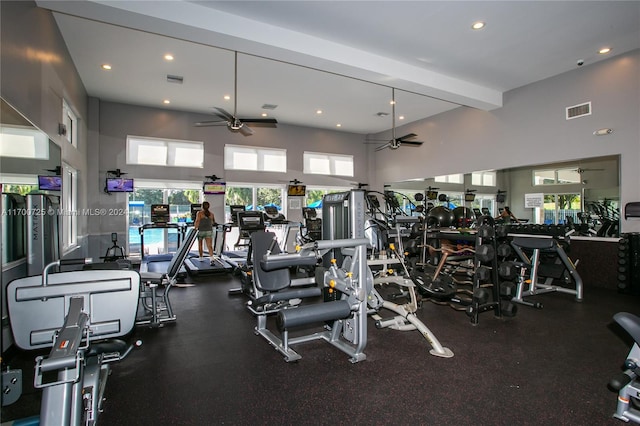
(50, 183)
(119, 185)
(501, 197)
(296, 190)
(432, 195)
(215, 188)
(469, 197)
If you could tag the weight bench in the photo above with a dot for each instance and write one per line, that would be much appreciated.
(73, 313)
(154, 292)
(537, 246)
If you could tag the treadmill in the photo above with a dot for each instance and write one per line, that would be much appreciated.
(193, 264)
(160, 219)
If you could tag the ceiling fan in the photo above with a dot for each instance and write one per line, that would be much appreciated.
(232, 121)
(395, 142)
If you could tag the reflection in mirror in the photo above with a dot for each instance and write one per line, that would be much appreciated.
(25, 153)
(584, 194)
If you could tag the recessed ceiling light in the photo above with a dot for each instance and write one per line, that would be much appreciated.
(338, 125)
(478, 25)
(264, 114)
(392, 102)
(319, 111)
(401, 117)
(168, 57)
(166, 101)
(226, 97)
(106, 66)
(604, 50)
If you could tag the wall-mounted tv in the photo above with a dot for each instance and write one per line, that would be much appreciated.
(296, 190)
(215, 188)
(119, 185)
(501, 197)
(432, 195)
(50, 183)
(469, 197)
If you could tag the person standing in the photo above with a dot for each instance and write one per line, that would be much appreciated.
(204, 224)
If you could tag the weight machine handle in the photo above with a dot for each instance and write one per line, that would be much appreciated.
(63, 262)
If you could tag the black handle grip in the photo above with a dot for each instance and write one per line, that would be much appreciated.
(69, 262)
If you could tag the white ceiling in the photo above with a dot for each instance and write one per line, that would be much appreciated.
(339, 56)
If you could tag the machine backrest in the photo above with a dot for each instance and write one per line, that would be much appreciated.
(183, 251)
(36, 312)
(261, 243)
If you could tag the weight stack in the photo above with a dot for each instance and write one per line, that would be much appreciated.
(629, 264)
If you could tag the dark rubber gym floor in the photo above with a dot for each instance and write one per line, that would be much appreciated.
(543, 367)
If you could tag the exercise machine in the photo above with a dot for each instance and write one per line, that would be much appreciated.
(43, 225)
(627, 384)
(405, 318)
(346, 314)
(80, 315)
(154, 293)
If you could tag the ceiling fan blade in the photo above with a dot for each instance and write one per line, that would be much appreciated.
(409, 136)
(259, 120)
(210, 123)
(411, 143)
(386, 145)
(245, 130)
(224, 114)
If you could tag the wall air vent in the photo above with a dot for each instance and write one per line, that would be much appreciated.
(175, 79)
(578, 110)
(269, 106)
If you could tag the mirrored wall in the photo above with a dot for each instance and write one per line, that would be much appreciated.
(585, 191)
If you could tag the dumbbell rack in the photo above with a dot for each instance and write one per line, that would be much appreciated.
(486, 271)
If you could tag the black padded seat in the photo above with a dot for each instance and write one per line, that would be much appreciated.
(631, 324)
(534, 243)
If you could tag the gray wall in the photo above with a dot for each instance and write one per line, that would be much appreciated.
(531, 129)
(110, 123)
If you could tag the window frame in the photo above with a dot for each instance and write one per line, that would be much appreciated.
(261, 153)
(170, 147)
(332, 159)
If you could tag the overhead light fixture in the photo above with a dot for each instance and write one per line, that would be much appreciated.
(338, 125)
(166, 101)
(106, 67)
(604, 50)
(401, 117)
(168, 57)
(226, 97)
(478, 25)
(319, 111)
(264, 114)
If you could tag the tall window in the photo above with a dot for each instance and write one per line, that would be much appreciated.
(254, 158)
(69, 206)
(164, 152)
(253, 197)
(179, 196)
(328, 164)
(557, 207)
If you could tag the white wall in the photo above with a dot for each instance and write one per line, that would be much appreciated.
(531, 129)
